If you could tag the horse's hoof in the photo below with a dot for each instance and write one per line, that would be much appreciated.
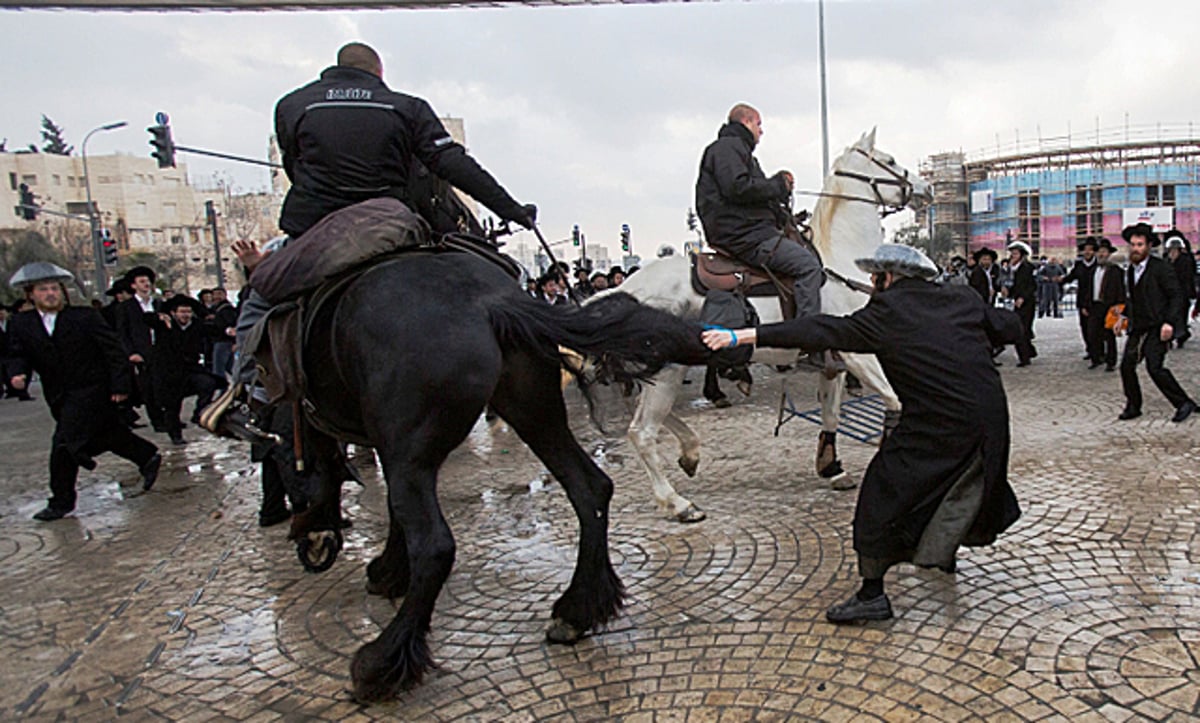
(690, 515)
(842, 482)
(689, 465)
(318, 550)
(563, 633)
(722, 403)
(744, 388)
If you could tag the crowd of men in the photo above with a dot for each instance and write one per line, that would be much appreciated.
(554, 288)
(99, 365)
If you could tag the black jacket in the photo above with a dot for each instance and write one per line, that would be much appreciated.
(738, 205)
(83, 355)
(934, 344)
(1156, 298)
(134, 327)
(1082, 274)
(1185, 273)
(1112, 286)
(1024, 286)
(347, 138)
(984, 282)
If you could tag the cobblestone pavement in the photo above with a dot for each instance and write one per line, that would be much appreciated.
(175, 605)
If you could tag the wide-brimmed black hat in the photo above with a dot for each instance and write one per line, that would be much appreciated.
(1141, 229)
(985, 251)
(179, 300)
(1103, 243)
(119, 286)
(1089, 241)
(137, 271)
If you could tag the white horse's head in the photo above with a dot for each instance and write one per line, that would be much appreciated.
(872, 175)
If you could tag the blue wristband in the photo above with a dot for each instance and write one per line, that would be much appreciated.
(733, 334)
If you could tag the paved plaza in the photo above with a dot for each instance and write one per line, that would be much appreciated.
(175, 604)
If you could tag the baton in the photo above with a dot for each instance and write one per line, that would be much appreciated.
(554, 262)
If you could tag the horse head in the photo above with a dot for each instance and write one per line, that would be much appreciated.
(867, 173)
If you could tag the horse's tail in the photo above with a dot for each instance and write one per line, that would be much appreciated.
(625, 340)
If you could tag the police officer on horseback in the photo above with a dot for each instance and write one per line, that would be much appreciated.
(742, 210)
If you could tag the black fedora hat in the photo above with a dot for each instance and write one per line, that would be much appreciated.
(985, 251)
(1089, 241)
(1141, 229)
(179, 300)
(119, 286)
(137, 271)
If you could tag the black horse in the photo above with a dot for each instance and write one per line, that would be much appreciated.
(409, 357)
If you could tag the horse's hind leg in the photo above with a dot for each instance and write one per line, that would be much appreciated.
(529, 399)
(317, 530)
(653, 410)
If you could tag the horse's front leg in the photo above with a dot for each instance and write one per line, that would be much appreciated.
(653, 409)
(866, 367)
(829, 467)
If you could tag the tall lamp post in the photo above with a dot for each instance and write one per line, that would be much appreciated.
(93, 222)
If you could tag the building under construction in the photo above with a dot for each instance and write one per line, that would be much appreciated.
(1054, 192)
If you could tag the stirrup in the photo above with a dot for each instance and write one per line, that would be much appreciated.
(210, 416)
(230, 415)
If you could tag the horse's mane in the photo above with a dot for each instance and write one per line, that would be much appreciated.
(823, 211)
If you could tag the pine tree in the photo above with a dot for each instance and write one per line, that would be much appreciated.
(52, 138)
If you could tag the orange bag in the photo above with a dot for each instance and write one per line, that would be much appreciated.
(1116, 320)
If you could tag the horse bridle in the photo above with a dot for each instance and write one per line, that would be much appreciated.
(899, 180)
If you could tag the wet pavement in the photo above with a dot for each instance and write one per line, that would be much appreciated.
(176, 605)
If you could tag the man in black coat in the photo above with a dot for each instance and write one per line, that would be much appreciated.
(939, 480)
(347, 137)
(1082, 273)
(1023, 293)
(741, 209)
(1108, 290)
(180, 348)
(136, 318)
(984, 275)
(85, 374)
(1179, 255)
(1155, 302)
(221, 326)
(9, 391)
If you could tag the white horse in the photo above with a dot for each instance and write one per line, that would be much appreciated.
(846, 227)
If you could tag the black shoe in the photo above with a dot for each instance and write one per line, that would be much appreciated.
(51, 514)
(178, 440)
(150, 471)
(86, 461)
(1023, 363)
(1095, 364)
(1110, 368)
(857, 611)
(1128, 414)
(1183, 411)
(26, 398)
(275, 518)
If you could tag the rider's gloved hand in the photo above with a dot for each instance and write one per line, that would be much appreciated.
(528, 216)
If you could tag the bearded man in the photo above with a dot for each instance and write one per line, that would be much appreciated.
(85, 373)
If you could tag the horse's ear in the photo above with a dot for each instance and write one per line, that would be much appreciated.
(870, 137)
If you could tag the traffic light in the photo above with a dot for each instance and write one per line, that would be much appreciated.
(164, 147)
(109, 244)
(575, 235)
(691, 220)
(28, 209)
(625, 237)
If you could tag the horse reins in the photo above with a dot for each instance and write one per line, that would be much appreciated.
(899, 180)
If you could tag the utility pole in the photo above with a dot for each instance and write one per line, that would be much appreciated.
(210, 213)
(93, 220)
(824, 99)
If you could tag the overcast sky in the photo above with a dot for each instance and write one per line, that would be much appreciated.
(599, 114)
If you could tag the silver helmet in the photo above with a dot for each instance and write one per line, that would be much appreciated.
(899, 260)
(40, 271)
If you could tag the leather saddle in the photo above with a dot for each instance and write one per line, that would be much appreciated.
(278, 340)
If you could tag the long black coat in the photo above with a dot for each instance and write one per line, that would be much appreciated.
(135, 326)
(81, 367)
(984, 282)
(934, 343)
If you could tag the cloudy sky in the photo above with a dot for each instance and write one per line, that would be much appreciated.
(599, 114)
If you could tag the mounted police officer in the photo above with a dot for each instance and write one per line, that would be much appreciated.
(940, 480)
(741, 209)
(348, 138)
(85, 373)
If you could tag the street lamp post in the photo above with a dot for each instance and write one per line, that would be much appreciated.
(93, 222)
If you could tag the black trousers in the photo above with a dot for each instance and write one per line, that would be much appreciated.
(1025, 349)
(64, 465)
(149, 392)
(1146, 345)
(1102, 343)
(788, 258)
(201, 384)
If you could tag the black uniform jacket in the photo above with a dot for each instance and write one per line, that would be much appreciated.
(737, 203)
(81, 367)
(1156, 298)
(347, 138)
(934, 343)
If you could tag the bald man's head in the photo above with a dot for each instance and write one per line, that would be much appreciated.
(749, 117)
(361, 56)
